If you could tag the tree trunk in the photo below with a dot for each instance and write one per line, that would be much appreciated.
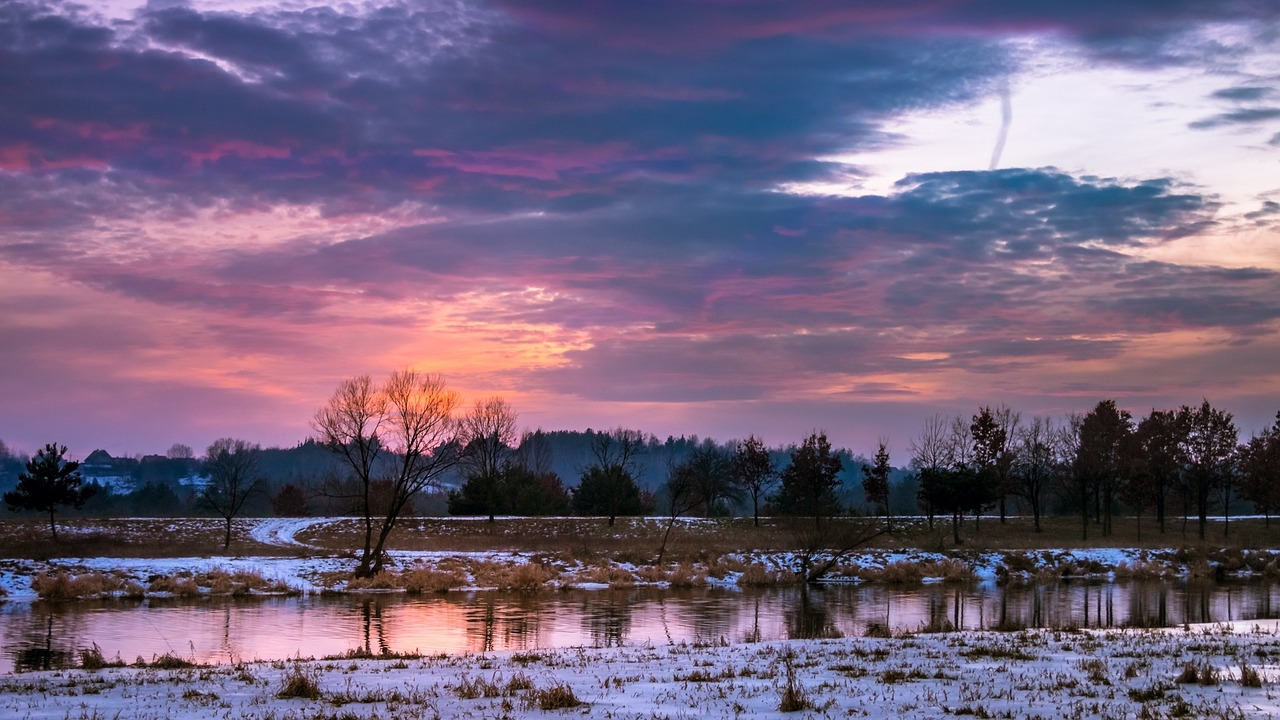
(226, 540)
(955, 527)
(53, 527)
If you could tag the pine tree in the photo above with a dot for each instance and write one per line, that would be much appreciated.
(49, 483)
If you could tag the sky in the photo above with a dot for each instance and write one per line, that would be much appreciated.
(687, 216)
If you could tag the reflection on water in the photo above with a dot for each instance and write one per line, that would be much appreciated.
(49, 635)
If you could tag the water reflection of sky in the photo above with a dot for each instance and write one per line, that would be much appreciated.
(47, 635)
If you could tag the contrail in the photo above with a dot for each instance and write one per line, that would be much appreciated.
(1006, 119)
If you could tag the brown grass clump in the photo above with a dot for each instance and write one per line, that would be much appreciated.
(556, 697)
(239, 583)
(91, 659)
(757, 575)
(794, 698)
(167, 661)
(421, 581)
(611, 575)
(382, 581)
(299, 682)
(180, 585)
(686, 576)
(527, 577)
(66, 586)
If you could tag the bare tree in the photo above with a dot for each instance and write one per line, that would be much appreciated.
(486, 435)
(535, 452)
(232, 466)
(608, 485)
(348, 425)
(401, 435)
(755, 471)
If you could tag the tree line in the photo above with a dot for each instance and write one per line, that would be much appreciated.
(1188, 460)
(381, 446)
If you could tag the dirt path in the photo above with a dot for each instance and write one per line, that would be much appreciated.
(281, 532)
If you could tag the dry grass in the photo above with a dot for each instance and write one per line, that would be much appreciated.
(85, 585)
(422, 581)
(300, 681)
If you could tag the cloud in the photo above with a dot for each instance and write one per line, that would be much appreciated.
(607, 181)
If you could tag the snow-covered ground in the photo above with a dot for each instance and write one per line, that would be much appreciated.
(1201, 671)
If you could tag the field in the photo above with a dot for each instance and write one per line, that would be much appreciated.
(631, 538)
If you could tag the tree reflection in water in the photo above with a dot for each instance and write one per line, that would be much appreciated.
(41, 657)
(48, 635)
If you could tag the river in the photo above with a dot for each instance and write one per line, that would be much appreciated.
(48, 635)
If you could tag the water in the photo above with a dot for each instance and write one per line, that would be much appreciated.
(49, 635)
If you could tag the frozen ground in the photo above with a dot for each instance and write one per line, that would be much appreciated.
(1202, 671)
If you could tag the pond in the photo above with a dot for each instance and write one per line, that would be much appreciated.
(45, 635)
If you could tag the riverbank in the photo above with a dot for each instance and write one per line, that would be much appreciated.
(1214, 671)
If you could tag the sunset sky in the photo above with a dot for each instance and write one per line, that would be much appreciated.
(684, 216)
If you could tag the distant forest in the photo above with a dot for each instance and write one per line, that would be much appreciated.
(1184, 462)
(297, 480)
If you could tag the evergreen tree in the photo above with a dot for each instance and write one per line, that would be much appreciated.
(875, 479)
(49, 483)
(809, 483)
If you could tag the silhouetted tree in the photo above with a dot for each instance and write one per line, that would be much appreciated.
(608, 486)
(875, 479)
(607, 492)
(532, 493)
(486, 434)
(290, 501)
(1209, 448)
(809, 483)
(1260, 470)
(755, 471)
(1158, 446)
(1037, 465)
(1099, 466)
(402, 434)
(232, 466)
(49, 483)
(708, 472)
